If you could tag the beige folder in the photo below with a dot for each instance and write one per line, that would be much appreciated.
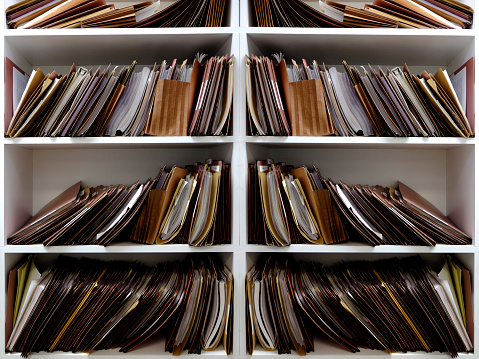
(215, 169)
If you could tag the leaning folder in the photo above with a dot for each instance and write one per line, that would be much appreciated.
(172, 107)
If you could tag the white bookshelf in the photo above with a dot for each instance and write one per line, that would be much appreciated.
(444, 170)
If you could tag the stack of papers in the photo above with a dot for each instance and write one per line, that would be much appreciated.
(288, 206)
(90, 215)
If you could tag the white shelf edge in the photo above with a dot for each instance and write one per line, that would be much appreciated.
(376, 142)
(113, 142)
(113, 353)
(151, 31)
(153, 348)
(240, 29)
(120, 248)
(249, 248)
(363, 354)
(360, 248)
(326, 348)
(357, 31)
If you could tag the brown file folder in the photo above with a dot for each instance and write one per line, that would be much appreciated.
(306, 106)
(173, 104)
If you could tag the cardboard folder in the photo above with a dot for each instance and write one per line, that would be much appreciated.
(173, 105)
(306, 106)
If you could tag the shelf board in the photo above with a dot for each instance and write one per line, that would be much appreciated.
(152, 349)
(326, 348)
(358, 31)
(120, 248)
(211, 141)
(119, 31)
(250, 248)
(116, 142)
(360, 248)
(362, 142)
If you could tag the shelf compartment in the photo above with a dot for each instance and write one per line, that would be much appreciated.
(33, 177)
(443, 176)
(58, 53)
(152, 348)
(445, 50)
(324, 347)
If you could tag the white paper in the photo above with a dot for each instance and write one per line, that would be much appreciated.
(459, 83)
(19, 85)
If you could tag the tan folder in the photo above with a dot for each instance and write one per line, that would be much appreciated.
(173, 104)
(306, 106)
(263, 169)
(215, 168)
(158, 203)
(322, 207)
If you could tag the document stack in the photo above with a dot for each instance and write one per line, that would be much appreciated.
(84, 305)
(294, 205)
(61, 14)
(416, 14)
(303, 99)
(397, 305)
(172, 99)
(186, 206)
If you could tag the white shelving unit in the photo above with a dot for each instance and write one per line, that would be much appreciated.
(442, 169)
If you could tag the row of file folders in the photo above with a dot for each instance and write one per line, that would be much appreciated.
(31, 14)
(180, 99)
(312, 99)
(396, 305)
(190, 205)
(81, 305)
(85, 305)
(169, 99)
(68, 14)
(415, 14)
(288, 205)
